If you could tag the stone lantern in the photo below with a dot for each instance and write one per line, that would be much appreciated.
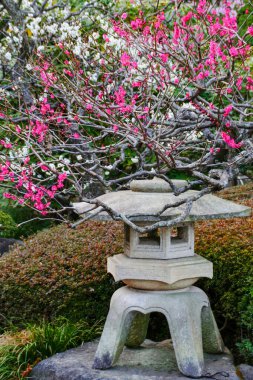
(159, 268)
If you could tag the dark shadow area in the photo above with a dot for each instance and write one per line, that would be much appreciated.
(158, 328)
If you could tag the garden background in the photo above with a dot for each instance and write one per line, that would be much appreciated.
(54, 290)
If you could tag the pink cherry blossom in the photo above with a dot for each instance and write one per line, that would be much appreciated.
(176, 34)
(164, 57)
(250, 30)
(5, 144)
(120, 96)
(201, 8)
(233, 52)
(227, 110)
(106, 38)
(136, 84)
(10, 196)
(125, 59)
(159, 19)
(89, 107)
(43, 167)
(39, 129)
(137, 23)
(68, 72)
(230, 141)
(186, 18)
(249, 85)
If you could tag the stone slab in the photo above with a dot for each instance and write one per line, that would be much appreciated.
(140, 206)
(170, 271)
(151, 361)
(245, 371)
(156, 185)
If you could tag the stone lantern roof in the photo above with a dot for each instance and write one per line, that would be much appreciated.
(146, 198)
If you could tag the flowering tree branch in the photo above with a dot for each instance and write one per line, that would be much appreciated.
(139, 98)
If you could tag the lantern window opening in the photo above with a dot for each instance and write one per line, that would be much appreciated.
(151, 238)
(179, 235)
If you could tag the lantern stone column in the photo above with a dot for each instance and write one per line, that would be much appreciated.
(159, 269)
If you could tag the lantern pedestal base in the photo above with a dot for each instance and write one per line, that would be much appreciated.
(191, 322)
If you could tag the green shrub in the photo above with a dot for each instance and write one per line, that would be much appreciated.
(245, 345)
(246, 305)
(8, 227)
(228, 245)
(60, 272)
(21, 351)
(19, 214)
(245, 19)
(245, 348)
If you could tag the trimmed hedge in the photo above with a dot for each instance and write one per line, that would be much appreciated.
(8, 227)
(229, 245)
(62, 272)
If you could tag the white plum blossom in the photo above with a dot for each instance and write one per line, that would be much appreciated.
(52, 166)
(8, 56)
(66, 161)
(54, 23)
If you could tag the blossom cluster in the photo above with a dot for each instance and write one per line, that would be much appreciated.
(43, 24)
(138, 96)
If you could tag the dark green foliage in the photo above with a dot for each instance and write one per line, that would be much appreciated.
(245, 19)
(228, 244)
(20, 214)
(245, 348)
(8, 227)
(247, 305)
(60, 272)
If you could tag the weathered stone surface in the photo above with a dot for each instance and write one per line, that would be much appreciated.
(138, 330)
(160, 244)
(182, 308)
(172, 274)
(245, 371)
(141, 206)
(155, 185)
(211, 338)
(152, 361)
